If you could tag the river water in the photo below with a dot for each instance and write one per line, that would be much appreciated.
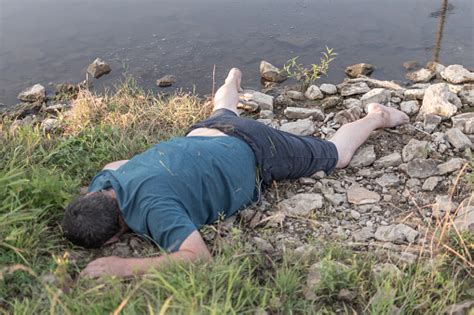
(53, 41)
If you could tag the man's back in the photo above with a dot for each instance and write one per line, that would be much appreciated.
(174, 187)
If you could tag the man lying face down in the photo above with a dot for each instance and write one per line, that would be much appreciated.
(167, 192)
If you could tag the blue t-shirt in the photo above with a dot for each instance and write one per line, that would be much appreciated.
(173, 188)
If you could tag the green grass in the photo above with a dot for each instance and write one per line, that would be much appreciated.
(41, 172)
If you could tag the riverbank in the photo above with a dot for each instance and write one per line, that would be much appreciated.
(392, 233)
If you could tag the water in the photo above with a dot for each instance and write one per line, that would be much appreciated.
(53, 41)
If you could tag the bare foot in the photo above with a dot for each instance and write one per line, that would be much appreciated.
(234, 77)
(390, 117)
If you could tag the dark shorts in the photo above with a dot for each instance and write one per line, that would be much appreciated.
(280, 155)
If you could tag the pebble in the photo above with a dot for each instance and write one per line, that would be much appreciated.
(328, 89)
(354, 88)
(301, 127)
(313, 93)
(409, 107)
(458, 139)
(359, 196)
(98, 68)
(430, 183)
(301, 204)
(398, 234)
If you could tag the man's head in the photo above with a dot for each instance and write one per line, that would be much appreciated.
(93, 219)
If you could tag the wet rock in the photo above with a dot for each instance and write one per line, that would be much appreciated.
(388, 180)
(438, 101)
(263, 245)
(411, 65)
(463, 308)
(364, 156)
(398, 234)
(430, 183)
(415, 150)
(98, 68)
(351, 102)
(464, 220)
(35, 93)
(301, 127)
(301, 113)
(359, 69)
(328, 89)
(360, 196)
(349, 115)
(271, 73)
(378, 95)
(167, 80)
(420, 168)
(450, 166)
(414, 94)
(464, 122)
(457, 74)
(435, 67)
(295, 95)
(444, 204)
(421, 76)
(313, 93)
(354, 89)
(409, 107)
(431, 122)
(302, 204)
(458, 139)
(363, 235)
(467, 94)
(393, 159)
(264, 101)
(331, 102)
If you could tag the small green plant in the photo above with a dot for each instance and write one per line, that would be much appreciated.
(307, 76)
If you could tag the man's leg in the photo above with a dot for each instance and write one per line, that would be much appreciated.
(227, 96)
(351, 136)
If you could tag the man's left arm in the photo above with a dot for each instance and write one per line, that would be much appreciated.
(193, 248)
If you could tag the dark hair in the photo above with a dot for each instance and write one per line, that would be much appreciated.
(91, 220)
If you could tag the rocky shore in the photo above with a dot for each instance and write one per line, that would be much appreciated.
(401, 189)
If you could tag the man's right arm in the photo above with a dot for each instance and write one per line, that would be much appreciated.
(114, 165)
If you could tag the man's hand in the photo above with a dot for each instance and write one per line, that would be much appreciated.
(109, 266)
(192, 249)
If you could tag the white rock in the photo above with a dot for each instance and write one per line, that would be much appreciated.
(301, 113)
(457, 139)
(464, 122)
(364, 156)
(360, 196)
(313, 93)
(421, 76)
(302, 127)
(264, 101)
(467, 94)
(393, 159)
(301, 204)
(328, 89)
(271, 73)
(409, 107)
(295, 95)
(457, 74)
(414, 94)
(398, 234)
(381, 96)
(437, 101)
(415, 150)
(430, 183)
(36, 93)
(354, 88)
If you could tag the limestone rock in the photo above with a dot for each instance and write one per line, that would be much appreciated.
(36, 93)
(301, 113)
(301, 127)
(419, 168)
(414, 94)
(457, 74)
(458, 139)
(393, 159)
(378, 95)
(98, 68)
(364, 156)
(464, 122)
(359, 69)
(467, 94)
(328, 89)
(437, 101)
(409, 107)
(360, 196)
(421, 76)
(450, 166)
(271, 73)
(301, 204)
(264, 101)
(167, 80)
(313, 93)
(415, 150)
(354, 89)
(398, 234)
(431, 122)
(331, 102)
